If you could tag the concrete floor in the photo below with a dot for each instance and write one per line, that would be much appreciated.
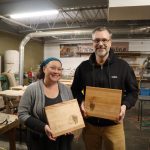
(136, 139)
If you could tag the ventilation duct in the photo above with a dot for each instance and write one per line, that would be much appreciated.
(43, 34)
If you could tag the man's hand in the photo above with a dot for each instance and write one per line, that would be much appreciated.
(83, 109)
(122, 114)
(49, 133)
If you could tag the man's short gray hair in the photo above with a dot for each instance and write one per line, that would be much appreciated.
(102, 29)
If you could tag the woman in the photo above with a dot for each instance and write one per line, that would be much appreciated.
(46, 91)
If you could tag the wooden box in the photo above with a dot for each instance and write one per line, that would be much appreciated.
(103, 102)
(64, 117)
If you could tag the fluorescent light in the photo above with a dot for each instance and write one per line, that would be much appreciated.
(35, 14)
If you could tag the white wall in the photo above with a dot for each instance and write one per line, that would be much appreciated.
(69, 64)
(0, 65)
(0, 74)
(51, 50)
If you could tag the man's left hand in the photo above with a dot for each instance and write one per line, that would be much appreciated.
(122, 114)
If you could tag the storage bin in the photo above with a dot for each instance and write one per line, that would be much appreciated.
(145, 91)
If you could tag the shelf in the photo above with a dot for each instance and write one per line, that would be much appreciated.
(127, 54)
(122, 54)
(136, 66)
(84, 53)
(132, 53)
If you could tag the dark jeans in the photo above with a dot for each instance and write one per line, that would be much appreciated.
(41, 141)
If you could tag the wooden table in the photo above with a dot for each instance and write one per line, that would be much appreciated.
(12, 92)
(9, 127)
(11, 99)
(66, 81)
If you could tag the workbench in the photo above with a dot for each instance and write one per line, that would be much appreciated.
(8, 125)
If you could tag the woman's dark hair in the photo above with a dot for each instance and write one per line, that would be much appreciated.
(40, 74)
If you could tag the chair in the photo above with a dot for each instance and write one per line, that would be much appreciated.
(143, 99)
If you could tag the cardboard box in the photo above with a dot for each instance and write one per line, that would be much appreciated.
(103, 102)
(64, 117)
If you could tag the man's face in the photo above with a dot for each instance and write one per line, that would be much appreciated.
(101, 43)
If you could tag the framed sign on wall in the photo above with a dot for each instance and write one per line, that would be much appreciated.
(85, 49)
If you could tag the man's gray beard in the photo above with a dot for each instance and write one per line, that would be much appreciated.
(102, 56)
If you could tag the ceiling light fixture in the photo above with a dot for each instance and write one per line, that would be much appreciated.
(35, 14)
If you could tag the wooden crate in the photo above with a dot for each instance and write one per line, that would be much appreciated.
(103, 102)
(64, 117)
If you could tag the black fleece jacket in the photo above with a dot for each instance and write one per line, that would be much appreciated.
(115, 73)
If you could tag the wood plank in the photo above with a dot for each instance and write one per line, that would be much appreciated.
(103, 102)
(64, 117)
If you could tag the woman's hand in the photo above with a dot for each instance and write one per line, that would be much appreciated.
(49, 133)
(77, 134)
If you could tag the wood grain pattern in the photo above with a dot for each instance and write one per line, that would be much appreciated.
(64, 117)
(103, 102)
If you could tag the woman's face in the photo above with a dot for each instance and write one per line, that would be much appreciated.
(53, 71)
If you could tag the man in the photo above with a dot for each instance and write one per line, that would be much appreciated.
(104, 69)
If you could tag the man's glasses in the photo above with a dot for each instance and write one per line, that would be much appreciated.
(104, 41)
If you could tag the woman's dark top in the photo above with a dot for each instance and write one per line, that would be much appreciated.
(41, 141)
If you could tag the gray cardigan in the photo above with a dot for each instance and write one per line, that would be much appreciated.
(33, 100)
